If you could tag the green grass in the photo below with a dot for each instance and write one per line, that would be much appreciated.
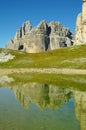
(74, 82)
(70, 57)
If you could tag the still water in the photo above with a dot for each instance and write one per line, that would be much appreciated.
(34, 106)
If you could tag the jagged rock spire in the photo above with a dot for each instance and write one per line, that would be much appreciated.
(80, 37)
(41, 38)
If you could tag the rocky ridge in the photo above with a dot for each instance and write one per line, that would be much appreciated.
(45, 36)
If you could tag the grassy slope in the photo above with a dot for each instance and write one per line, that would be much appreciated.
(70, 57)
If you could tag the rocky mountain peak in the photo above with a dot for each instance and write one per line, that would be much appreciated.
(45, 36)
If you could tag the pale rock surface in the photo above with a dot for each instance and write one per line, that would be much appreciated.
(80, 37)
(59, 36)
(38, 39)
(41, 38)
(18, 40)
(5, 57)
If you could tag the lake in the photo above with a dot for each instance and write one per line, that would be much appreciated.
(38, 106)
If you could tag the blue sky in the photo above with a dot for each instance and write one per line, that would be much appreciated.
(13, 13)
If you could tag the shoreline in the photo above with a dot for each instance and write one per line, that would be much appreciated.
(43, 70)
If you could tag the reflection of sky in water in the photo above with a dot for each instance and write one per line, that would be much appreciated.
(36, 106)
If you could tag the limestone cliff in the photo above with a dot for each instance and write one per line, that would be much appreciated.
(80, 37)
(17, 42)
(59, 36)
(45, 36)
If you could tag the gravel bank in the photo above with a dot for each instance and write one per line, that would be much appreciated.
(44, 70)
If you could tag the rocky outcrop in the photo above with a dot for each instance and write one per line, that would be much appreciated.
(17, 42)
(38, 39)
(4, 57)
(41, 38)
(59, 36)
(80, 37)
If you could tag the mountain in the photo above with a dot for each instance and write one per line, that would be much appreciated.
(45, 36)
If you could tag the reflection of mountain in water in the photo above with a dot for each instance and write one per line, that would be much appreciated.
(80, 108)
(41, 94)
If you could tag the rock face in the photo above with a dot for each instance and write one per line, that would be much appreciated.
(80, 37)
(59, 36)
(38, 39)
(17, 42)
(41, 38)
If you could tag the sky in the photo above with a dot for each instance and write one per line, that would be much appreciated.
(13, 13)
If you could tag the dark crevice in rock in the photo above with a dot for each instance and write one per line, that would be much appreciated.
(21, 47)
(21, 33)
(47, 43)
(49, 31)
(62, 44)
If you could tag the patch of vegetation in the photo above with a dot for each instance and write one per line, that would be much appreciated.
(74, 82)
(70, 57)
